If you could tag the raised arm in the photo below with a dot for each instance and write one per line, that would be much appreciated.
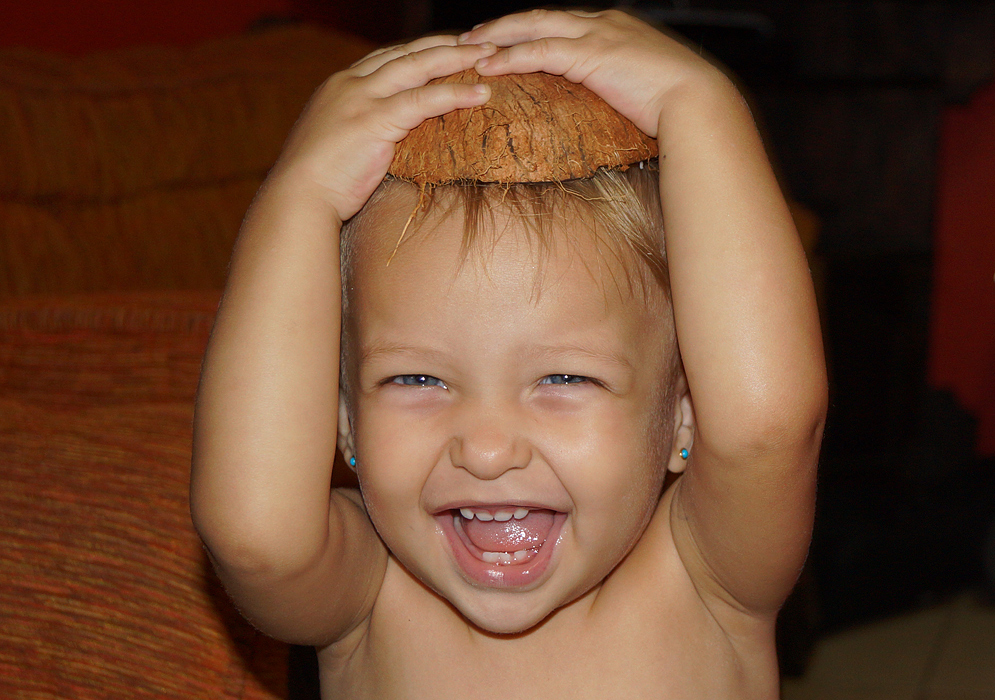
(744, 305)
(748, 328)
(302, 561)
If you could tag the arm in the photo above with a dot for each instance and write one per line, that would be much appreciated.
(303, 562)
(748, 328)
(743, 300)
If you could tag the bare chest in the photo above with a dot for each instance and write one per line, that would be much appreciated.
(600, 649)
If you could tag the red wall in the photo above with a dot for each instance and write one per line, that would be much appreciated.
(79, 26)
(962, 352)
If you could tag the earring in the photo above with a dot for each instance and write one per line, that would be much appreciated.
(352, 461)
(684, 453)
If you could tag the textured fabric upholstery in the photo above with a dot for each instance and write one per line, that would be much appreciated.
(126, 170)
(133, 169)
(106, 590)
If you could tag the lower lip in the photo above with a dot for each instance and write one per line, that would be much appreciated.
(479, 572)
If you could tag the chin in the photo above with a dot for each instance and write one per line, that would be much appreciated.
(502, 612)
(504, 624)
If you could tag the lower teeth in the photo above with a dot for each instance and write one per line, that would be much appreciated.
(505, 557)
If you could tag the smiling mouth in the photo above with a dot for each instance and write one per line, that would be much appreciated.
(503, 535)
(509, 546)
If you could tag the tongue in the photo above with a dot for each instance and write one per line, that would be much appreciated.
(511, 536)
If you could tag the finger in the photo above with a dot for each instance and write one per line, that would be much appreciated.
(417, 68)
(373, 61)
(414, 45)
(373, 55)
(554, 55)
(405, 110)
(528, 26)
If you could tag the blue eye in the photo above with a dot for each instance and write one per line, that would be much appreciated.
(418, 380)
(564, 379)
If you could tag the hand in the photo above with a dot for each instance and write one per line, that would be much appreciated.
(628, 63)
(344, 141)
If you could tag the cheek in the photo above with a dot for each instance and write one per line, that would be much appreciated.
(659, 436)
(395, 455)
(390, 501)
(381, 474)
(614, 460)
(645, 460)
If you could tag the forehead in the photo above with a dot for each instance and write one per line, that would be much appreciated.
(508, 292)
(559, 233)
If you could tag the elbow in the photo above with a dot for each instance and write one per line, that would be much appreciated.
(239, 549)
(794, 427)
(789, 424)
(254, 561)
(810, 414)
(229, 548)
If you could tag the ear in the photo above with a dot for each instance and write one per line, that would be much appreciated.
(345, 442)
(683, 426)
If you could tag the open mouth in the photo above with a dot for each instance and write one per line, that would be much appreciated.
(504, 546)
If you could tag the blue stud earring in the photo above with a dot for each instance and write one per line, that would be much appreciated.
(684, 453)
(352, 461)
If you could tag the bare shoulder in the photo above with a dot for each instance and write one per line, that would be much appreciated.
(403, 648)
(671, 590)
(669, 630)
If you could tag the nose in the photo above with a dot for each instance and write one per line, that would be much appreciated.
(489, 444)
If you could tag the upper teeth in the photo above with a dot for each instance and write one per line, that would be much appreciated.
(502, 515)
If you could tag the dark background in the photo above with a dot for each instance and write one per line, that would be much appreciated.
(850, 96)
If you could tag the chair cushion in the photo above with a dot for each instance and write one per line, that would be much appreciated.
(132, 169)
(106, 590)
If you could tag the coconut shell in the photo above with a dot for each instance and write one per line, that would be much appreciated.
(536, 127)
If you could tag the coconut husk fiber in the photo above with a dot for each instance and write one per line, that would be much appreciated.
(536, 127)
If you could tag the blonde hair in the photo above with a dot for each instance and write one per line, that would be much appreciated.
(623, 204)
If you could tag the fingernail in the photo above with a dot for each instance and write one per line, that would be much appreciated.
(482, 63)
(481, 89)
(488, 46)
(478, 26)
(463, 37)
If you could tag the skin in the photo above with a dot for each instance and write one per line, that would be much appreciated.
(483, 422)
(671, 597)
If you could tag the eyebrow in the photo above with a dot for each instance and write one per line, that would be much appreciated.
(596, 353)
(381, 348)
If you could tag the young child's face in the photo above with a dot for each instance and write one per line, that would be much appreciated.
(503, 389)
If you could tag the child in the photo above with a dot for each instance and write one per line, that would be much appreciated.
(513, 409)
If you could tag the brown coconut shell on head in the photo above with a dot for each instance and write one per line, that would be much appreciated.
(536, 127)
